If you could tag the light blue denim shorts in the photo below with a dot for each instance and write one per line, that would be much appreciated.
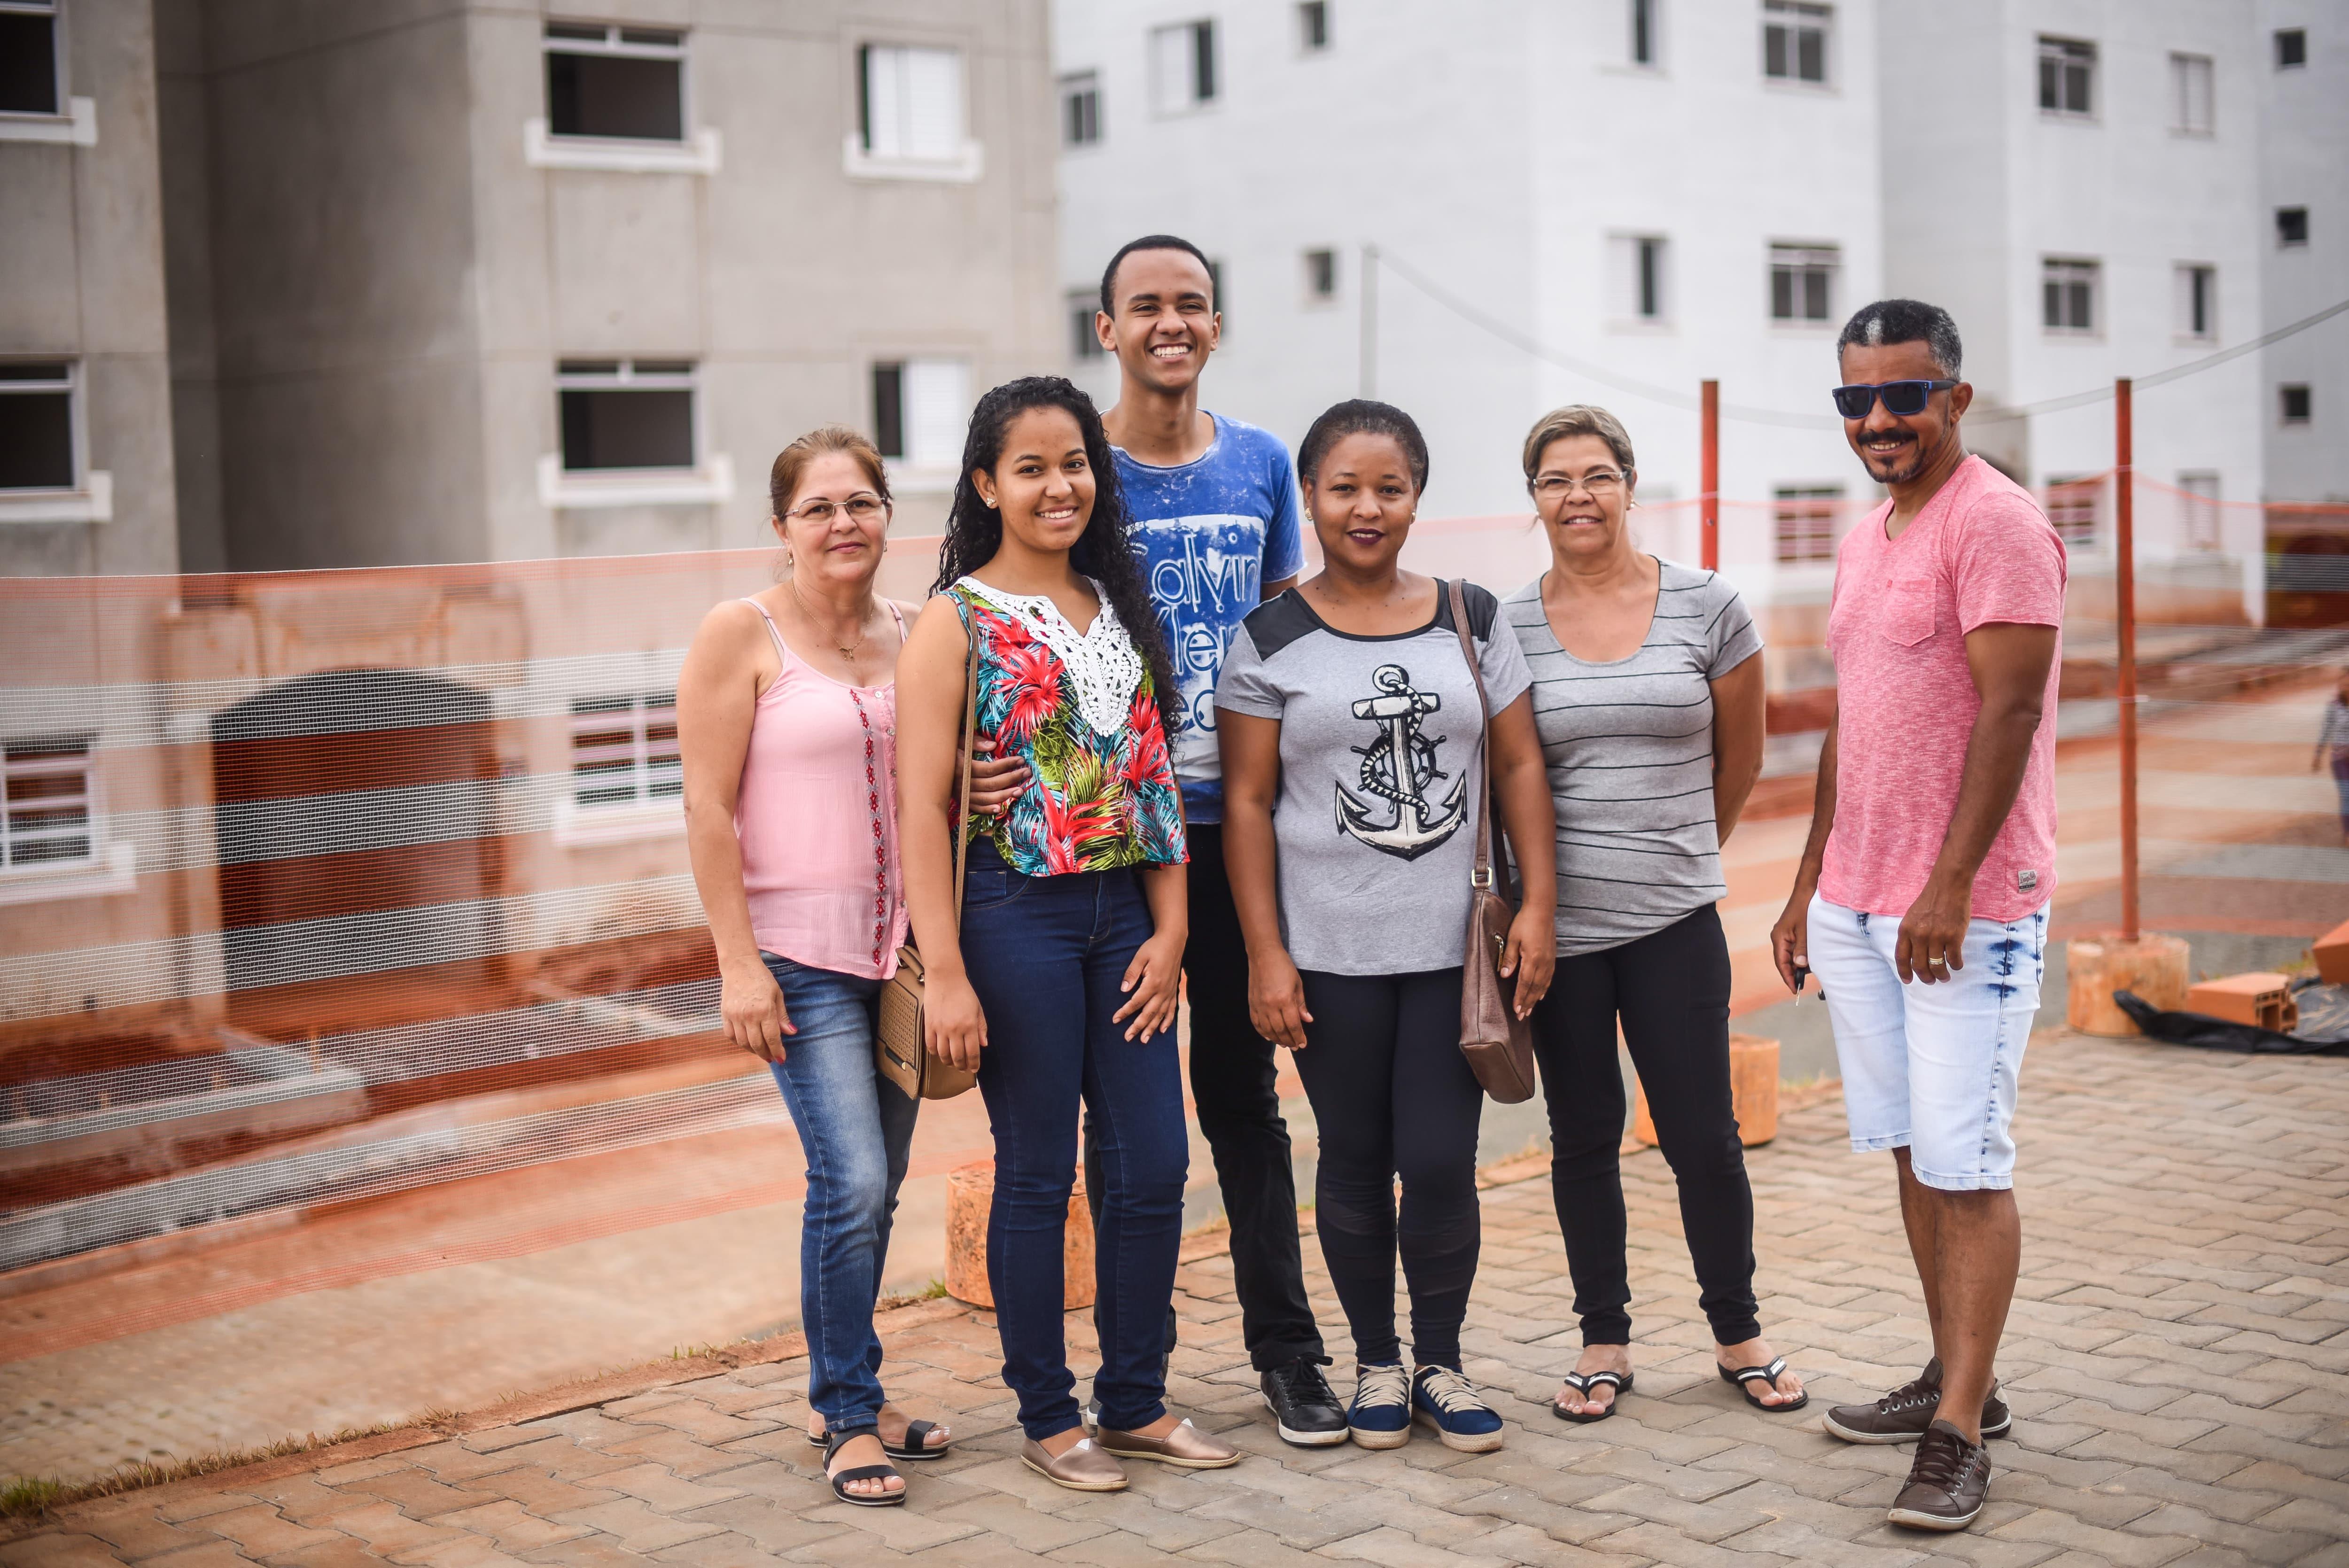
(1931, 1068)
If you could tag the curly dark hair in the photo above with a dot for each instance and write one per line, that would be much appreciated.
(1103, 552)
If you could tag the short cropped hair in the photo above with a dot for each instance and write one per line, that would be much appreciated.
(1906, 321)
(1152, 243)
(1577, 420)
(1362, 417)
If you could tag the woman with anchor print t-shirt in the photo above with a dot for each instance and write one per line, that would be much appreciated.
(1352, 742)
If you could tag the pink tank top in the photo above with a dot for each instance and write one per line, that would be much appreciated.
(817, 818)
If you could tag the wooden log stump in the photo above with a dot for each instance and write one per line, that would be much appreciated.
(1753, 1091)
(2154, 966)
(971, 1193)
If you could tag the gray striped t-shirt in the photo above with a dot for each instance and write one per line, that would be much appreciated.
(1629, 746)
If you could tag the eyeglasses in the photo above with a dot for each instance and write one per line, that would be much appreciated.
(860, 509)
(1901, 398)
(1599, 483)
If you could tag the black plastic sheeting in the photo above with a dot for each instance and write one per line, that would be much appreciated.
(2324, 1028)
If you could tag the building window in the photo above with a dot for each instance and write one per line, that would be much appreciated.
(2197, 301)
(1079, 109)
(1313, 26)
(36, 427)
(2073, 505)
(2294, 403)
(624, 749)
(909, 104)
(49, 820)
(1646, 47)
(2291, 48)
(1801, 282)
(919, 409)
(1084, 343)
(1637, 277)
(2198, 508)
(1182, 67)
(2067, 295)
(626, 413)
(2067, 76)
(1805, 522)
(622, 82)
(2291, 225)
(28, 57)
(1320, 276)
(2192, 112)
(1795, 40)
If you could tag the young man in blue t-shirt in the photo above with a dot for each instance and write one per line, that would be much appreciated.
(1214, 517)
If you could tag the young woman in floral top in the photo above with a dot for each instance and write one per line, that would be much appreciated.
(1060, 983)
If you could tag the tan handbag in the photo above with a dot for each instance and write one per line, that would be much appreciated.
(900, 1045)
(1498, 1044)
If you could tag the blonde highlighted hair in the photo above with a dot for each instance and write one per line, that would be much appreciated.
(792, 463)
(1577, 420)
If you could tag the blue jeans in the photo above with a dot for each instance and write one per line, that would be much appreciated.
(1045, 955)
(857, 1129)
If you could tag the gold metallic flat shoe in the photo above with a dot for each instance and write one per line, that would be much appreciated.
(1084, 1467)
(1187, 1446)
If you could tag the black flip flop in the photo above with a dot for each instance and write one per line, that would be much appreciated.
(1620, 1381)
(914, 1447)
(839, 1483)
(1745, 1377)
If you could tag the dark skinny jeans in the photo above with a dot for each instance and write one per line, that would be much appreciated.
(1392, 1096)
(1670, 989)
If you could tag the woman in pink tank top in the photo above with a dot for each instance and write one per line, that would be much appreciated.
(787, 715)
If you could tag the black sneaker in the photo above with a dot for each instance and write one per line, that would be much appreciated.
(1302, 1403)
(1948, 1482)
(1902, 1416)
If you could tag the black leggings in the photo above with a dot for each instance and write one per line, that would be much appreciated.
(1393, 1096)
(1672, 988)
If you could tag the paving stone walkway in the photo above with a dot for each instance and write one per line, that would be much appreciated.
(2178, 1361)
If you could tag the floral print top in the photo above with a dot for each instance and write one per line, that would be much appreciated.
(1079, 709)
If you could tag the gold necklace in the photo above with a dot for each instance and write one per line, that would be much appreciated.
(847, 651)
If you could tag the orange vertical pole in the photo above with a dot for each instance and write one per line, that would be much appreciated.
(1709, 507)
(2124, 612)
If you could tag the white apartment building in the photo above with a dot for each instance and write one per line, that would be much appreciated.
(1621, 198)
(2303, 86)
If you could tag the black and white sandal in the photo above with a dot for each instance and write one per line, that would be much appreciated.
(916, 1446)
(839, 1482)
(1746, 1376)
(1581, 1384)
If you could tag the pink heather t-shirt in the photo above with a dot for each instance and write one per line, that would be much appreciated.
(1980, 551)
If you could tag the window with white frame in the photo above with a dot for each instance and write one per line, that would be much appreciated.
(2294, 404)
(920, 407)
(1183, 75)
(2292, 226)
(2067, 295)
(29, 74)
(1796, 36)
(627, 414)
(1803, 282)
(38, 446)
(1637, 279)
(1644, 42)
(1084, 343)
(2198, 508)
(1803, 517)
(1320, 276)
(2291, 48)
(51, 817)
(624, 749)
(2067, 77)
(2198, 300)
(2192, 111)
(1312, 25)
(615, 83)
(2074, 505)
(909, 108)
(1079, 109)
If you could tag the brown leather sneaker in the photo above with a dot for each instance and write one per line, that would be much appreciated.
(1902, 1416)
(1948, 1482)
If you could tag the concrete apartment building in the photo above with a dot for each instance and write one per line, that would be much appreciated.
(2303, 107)
(1622, 197)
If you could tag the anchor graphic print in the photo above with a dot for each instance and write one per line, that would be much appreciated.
(1399, 767)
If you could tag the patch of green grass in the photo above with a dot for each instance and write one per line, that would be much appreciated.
(27, 1497)
(24, 1496)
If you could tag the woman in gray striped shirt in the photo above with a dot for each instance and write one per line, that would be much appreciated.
(1648, 699)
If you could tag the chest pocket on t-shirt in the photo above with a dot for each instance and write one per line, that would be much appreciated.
(1907, 616)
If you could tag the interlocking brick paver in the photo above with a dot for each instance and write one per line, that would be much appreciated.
(60, 1549)
(261, 1532)
(510, 1526)
(634, 1526)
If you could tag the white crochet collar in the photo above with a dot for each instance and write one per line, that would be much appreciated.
(1104, 664)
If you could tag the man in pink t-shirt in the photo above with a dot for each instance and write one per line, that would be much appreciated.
(1921, 901)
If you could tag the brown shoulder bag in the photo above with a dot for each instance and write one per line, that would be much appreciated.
(1498, 1044)
(900, 1045)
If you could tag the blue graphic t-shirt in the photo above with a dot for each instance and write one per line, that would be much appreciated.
(1211, 534)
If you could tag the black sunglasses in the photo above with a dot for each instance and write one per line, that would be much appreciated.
(1901, 398)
